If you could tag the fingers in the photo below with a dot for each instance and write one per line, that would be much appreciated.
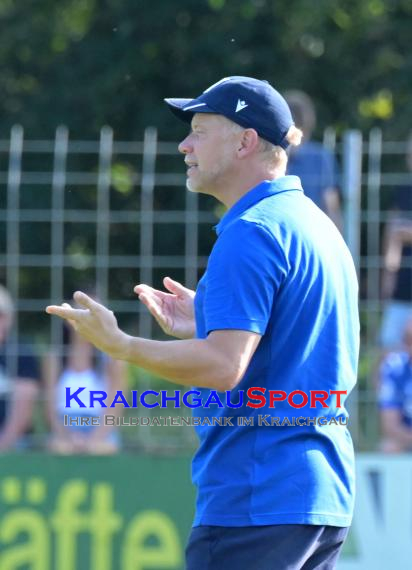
(147, 290)
(170, 284)
(148, 296)
(141, 288)
(70, 321)
(155, 310)
(153, 300)
(64, 311)
(175, 287)
(86, 301)
(67, 312)
(151, 304)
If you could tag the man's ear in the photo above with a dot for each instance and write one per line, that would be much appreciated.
(248, 142)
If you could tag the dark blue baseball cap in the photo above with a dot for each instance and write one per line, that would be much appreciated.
(249, 102)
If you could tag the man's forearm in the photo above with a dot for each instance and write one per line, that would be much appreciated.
(219, 361)
(192, 362)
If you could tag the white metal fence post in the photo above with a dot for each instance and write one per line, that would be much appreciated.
(103, 213)
(147, 220)
(351, 187)
(57, 227)
(13, 235)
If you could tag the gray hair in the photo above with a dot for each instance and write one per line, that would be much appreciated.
(275, 156)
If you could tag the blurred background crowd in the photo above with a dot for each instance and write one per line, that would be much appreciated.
(92, 188)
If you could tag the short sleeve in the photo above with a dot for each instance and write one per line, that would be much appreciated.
(244, 275)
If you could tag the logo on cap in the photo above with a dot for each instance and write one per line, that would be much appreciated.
(240, 105)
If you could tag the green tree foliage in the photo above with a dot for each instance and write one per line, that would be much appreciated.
(86, 63)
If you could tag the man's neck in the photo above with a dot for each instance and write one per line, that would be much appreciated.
(232, 193)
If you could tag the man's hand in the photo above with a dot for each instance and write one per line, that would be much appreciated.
(173, 311)
(94, 323)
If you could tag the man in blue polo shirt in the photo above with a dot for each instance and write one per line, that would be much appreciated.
(276, 310)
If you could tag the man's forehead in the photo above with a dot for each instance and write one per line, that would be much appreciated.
(204, 118)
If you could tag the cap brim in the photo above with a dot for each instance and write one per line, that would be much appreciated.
(184, 109)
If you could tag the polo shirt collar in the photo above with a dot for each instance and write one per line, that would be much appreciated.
(263, 190)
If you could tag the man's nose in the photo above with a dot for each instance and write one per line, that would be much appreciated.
(185, 146)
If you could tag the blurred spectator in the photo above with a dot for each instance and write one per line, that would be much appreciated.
(311, 161)
(82, 365)
(397, 264)
(395, 397)
(19, 381)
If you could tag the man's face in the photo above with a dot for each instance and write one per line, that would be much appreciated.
(209, 152)
(5, 324)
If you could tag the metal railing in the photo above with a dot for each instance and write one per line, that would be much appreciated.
(100, 212)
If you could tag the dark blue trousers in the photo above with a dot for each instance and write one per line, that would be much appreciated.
(274, 547)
